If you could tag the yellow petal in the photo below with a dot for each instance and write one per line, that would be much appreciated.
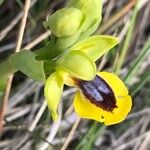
(53, 91)
(77, 64)
(115, 83)
(68, 80)
(88, 110)
(119, 114)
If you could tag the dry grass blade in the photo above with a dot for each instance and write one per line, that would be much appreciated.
(12, 24)
(37, 40)
(126, 145)
(71, 133)
(116, 17)
(146, 143)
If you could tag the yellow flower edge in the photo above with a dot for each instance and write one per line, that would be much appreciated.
(88, 110)
(115, 83)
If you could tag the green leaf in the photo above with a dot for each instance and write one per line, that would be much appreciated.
(90, 143)
(78, 65)
(25, 62)
(53, 91)
(145, 78)
(49, 67)
(6, 68)
(45, 53)
(128, 38)
(1, 1)
(88, 140)
(96, 46)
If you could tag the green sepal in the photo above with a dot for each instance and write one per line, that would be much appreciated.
(77, 64)
(65, 42)
(53, 91)
(26, 62)
(95, 46)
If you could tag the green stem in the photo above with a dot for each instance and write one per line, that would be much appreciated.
(136, 64)
(127, 39)
(98, 132)
(87, 141)
(87, 135)
(144, 79)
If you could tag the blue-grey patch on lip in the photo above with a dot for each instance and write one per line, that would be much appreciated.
(98, 92)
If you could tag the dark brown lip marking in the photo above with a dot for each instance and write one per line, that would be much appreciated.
(98, 92)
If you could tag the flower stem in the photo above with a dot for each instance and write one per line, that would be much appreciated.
(127, 39)
(145, 51)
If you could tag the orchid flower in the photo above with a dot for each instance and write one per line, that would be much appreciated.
(101, 96)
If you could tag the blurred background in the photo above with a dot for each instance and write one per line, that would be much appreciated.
(27, 122)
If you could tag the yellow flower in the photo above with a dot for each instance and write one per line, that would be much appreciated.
(102, 96)
(104, 99)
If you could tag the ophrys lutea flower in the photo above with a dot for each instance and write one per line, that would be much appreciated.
(104, 99)
(101, 96)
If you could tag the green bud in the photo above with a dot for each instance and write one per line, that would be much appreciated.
(78, 20)
(92, 13)
(65, 22)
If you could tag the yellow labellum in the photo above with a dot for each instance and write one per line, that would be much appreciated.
(86, 109)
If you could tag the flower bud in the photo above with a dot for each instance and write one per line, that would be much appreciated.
(92, 13)
(65, 22)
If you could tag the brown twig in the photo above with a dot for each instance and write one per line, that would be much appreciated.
(4, 103)
(18, 46)
(116, 17)
(12, 24)
(37, 40)
(69, 138)
(22, 25)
